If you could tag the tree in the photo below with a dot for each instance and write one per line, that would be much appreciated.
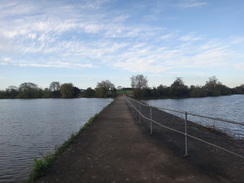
(163, 91)
(139, 81)
(54, 86)
(197, 91)
(212, 83)
(239, 89)
(11, 92)
(103, 88)
(212, 86)
(113, 92)
(101, 92)
(55, 89)
(107, 84)
(216, 88)
(139, 85)
(46, 93)
(67, 90)
(179, 89)
(2, 94)
(76, 92)
(89, 92)
(224, 90)
(29, 90)
(27, 86)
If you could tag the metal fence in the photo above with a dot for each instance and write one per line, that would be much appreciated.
(153, 118)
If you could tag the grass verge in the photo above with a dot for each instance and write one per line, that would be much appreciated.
(41, 166)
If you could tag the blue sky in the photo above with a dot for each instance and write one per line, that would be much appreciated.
(87, 41)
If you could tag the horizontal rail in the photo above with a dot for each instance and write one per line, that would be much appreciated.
(218, 119)
(192, 114)
(226, 150)
(128, 100)
(207, 117)
(159, 123)
(162, 108)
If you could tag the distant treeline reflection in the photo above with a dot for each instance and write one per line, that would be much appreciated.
(139, 89)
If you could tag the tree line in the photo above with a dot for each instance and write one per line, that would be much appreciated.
(139, 89)
(178, 89)
(56, 90)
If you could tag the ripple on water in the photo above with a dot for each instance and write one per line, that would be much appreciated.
(31, 128)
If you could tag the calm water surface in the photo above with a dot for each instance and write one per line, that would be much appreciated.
(225, 107)
(31, 128)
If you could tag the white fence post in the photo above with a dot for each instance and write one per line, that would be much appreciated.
(151, 119)
(139, 113)
(133, 105)
(186, 140)
(130, 102)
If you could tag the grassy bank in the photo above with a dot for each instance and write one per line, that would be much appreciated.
(41, 166)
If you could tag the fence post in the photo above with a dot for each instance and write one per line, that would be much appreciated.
(133, 103)
(186, 140)
(139, 113)
(150, 119)
(137, 109)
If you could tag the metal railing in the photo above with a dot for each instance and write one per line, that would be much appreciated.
(144, 111)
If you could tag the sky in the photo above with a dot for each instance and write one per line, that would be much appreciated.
(87, 41)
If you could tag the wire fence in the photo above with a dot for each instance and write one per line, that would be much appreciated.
(154, 118)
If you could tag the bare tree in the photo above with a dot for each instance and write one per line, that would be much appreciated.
(54, 86)
(139, 81)
(212, 83)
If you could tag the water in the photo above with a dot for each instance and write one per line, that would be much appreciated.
(31, 128)
(224, 107)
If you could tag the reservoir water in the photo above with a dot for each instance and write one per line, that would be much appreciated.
(224, 107)
(31, 128)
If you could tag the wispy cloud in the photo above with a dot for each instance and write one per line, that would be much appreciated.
(86, 35)
(190, 37)
(191, 3)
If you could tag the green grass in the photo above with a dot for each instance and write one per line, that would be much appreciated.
(42, 166)
(124, 92)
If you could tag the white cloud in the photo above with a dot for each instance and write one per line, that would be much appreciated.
(190, 37)
(32, 36)
(51, 64)
(139, 65)
(167, 36)
(191, 4)
(15, 8)
(237, 40)
(5, 61)
(85, 37)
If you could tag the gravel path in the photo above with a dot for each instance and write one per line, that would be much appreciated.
(116, 149)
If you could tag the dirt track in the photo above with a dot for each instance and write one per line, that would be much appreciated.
(116, 149)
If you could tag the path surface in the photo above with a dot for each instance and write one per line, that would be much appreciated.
(115, 149)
